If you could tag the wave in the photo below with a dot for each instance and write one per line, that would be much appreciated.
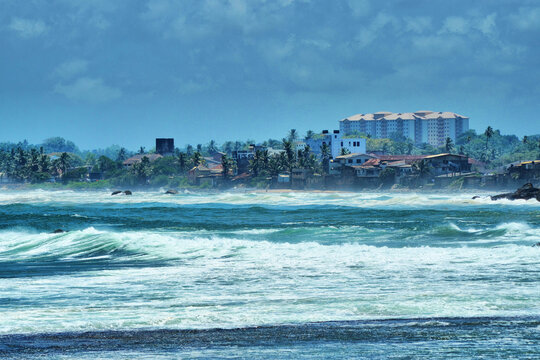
(253, 244)
(255, 198)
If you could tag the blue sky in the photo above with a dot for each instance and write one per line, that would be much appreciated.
(123, 72)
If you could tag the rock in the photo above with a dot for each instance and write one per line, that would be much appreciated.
(526, 192)
(127, 192)
(116, 192)
(58, 231)
(172, 192)
(476, 197)
(537, 244)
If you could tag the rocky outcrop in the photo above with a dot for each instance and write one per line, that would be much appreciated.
(526, 192)
(127, 192)
(171, 192)
(116, 192)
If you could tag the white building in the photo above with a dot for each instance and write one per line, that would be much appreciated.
(421, 126)
(336, 142)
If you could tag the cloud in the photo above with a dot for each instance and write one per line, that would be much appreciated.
(375, 29)
(526, 18)
(87, 89)
(71, 68)
(417, 24)
(27, 28)
(487, 25)
(359, 7)
(455, 25)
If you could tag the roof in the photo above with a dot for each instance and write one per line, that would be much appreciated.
(138, 158)
(444, 154)
(353, 155)
(421, 114)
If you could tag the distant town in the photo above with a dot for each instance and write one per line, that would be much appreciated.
(415, 150)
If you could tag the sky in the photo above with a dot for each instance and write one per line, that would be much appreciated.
(124, 72)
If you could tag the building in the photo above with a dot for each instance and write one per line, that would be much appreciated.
(128, 163)
(422, 126)
(443, 164)
(336, 141)
(165, 146)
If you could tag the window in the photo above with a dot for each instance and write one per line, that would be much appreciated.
(342, 143)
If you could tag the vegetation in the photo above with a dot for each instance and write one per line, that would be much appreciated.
(58, 161)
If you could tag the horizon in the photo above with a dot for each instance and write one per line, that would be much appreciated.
(125, 73)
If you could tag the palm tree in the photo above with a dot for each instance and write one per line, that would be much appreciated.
(189, 150)
(182, 162)
(122, 155)
(289, 153)
(421, 168)
(197, 158)
(309, 134)
(293, 135)
(212, 147)
(489, 133)
(226, 164)
(525, 139)
(141, 150)
(64, 162)
(345, 151)
(449, 145)
(325, 154)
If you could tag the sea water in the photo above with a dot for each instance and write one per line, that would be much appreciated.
(246, 274)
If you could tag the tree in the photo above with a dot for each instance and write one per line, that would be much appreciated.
(289, 154)
(141, 150)
(142, 169)
(344, 151)
(325, 154)
(189, 150)
(421, 169)
(293, 135)
(525, 139)
(309, 134)
(182, 162)
(64, 162)
(489, 134)
(122, 155)
(449, 145)
(212, 147)
(226, 164)
(197, 158)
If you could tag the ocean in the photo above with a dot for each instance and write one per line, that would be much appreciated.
(246, 274)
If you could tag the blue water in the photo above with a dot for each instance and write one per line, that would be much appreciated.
(267, 275)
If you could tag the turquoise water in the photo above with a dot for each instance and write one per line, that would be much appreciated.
(265, 275)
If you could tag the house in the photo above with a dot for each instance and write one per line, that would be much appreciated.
(525, 170)
(354, 158)
(128, 163)
(336, 142)
(448, 163)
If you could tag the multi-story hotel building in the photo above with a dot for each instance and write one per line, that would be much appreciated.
(421, 126)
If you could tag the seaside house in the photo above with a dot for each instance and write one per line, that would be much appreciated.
(336, 142)
(128, 163)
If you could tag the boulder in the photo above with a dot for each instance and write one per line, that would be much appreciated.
(58, 231)
(526, 192)
(116, 192)
(127, 192)
(476, 197)
(172, 192)
(537, 244)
